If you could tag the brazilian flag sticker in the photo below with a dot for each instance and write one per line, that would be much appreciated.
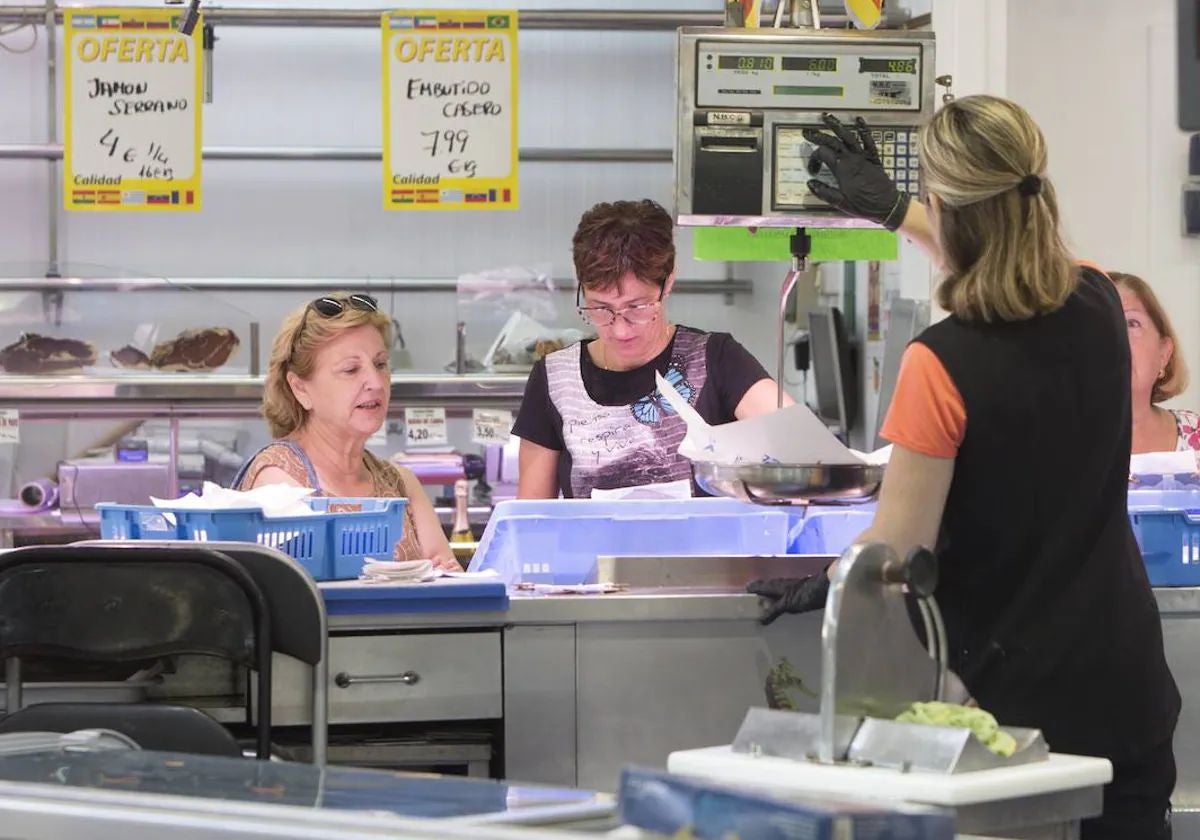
(497, 22)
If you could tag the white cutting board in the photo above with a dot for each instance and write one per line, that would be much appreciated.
(1060, 772)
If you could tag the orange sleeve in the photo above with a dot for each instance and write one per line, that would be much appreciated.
(1093, 266)
(927, 414)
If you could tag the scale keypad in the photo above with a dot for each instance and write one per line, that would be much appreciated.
(898, 153)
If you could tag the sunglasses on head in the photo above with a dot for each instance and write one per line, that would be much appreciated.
(331, 307)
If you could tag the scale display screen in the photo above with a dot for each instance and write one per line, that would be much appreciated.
(798, 76)
(746, 62)
(809, 64)
(888, 65)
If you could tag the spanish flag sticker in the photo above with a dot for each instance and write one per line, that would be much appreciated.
(865, 13)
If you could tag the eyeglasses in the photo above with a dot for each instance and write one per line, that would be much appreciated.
(638, 315)
(331, 307)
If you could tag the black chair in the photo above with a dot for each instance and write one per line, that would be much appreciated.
(109, 604)
(299, 626)
(153, 726)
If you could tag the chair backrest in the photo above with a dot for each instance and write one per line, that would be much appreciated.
(153, 726)
(64, 603)
(294, 603)
(98, 602)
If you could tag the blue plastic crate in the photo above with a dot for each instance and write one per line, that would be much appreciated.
(331, 546)
(831, 530)
(558, 540)
(1167, 527)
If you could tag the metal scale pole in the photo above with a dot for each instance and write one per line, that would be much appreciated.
(801, 244)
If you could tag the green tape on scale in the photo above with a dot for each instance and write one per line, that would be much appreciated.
(734, 244)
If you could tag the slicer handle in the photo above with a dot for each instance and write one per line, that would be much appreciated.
(919, 571)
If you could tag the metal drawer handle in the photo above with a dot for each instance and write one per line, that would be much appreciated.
(344, 680)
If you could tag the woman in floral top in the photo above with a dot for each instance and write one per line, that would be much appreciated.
(1158, 372)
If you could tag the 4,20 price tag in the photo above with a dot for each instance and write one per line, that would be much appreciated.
(489, 426)
(425, 427)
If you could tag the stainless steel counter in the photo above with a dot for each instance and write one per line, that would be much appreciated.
(1178, 601)
(1180, 610)
(587, 683)
(680, 604)
(594, 681)
(152, 395)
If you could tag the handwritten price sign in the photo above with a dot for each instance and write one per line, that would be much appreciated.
(450, 110)
(489, 426)
(425, 426)
(133, 92)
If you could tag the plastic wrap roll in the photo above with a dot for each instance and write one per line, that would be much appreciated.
(433, 468)
(40, 495)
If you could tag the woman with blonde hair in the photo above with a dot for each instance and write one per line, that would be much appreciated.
(1158, 372)
(326, 393)
(1010, 426)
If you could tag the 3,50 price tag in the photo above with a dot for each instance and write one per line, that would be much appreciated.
(490, 426)
(425, 426)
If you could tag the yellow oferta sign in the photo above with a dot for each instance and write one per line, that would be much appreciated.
(133, 88)
(450, 110)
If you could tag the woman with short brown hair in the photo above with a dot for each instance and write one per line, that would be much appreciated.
(592, 417)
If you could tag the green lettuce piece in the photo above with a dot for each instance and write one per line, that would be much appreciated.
(981, 723)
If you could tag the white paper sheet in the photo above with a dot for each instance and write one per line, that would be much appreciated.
(662, 490)
(275, 500)
(397, 571)
(1163, 463)
(791, 436)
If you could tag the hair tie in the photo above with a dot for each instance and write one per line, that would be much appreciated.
(1029, 186)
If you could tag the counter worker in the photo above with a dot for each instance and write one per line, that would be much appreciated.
(592, 417)
(1011, 430)
(326, 392)
(1158, 372)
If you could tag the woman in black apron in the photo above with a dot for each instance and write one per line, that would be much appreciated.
(1011, 432)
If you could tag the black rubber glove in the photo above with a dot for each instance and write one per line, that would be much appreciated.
(791, 595)
(863, 187)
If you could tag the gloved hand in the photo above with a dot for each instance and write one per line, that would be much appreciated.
(863, 187)
(791, 595)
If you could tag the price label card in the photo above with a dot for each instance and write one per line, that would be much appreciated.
(425, 427)
(490, 426)
(10, 426)
(133, 88)
(450, 109)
